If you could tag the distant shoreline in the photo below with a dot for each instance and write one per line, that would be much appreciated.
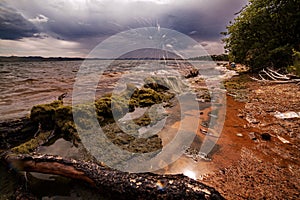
(44, 59)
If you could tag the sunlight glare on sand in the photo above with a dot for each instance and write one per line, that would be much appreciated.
(190, 174)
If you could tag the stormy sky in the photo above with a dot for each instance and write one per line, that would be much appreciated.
(72, 28)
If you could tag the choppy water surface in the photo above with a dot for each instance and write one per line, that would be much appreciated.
(25, 84)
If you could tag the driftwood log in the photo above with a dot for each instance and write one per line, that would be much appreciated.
(120, 185)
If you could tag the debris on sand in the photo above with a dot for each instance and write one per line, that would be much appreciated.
(252, 136)
(251, 120)
(239, 135)
(287, 115)
(284, 141)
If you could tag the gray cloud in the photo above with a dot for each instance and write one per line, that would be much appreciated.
(13, 25)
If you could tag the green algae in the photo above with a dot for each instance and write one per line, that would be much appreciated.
(237, 87)
(130, 143)
(110, 107)
(33, 144)
(45, 114)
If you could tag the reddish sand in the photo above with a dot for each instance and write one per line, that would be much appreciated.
(259, 168)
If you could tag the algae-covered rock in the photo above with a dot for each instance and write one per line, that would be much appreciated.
(55, 116)
(103, 107)
(148, 97)
(32, 144)
(65, 124)
(130, 143)
(107, 109)
(45, 114)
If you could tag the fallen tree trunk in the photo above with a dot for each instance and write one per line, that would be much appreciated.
(120, 185)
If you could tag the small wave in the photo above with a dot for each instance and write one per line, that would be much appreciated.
(5, 102)
(4, 72)
(28, 80)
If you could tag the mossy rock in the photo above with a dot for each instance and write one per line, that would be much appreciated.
(161, 84)
(83, 114)
(145, 120)
(45, 114)
(103, 107)
(32, 144)
(204, 94)
(58, 117)
(145, 145)
(148, 97)
(130, 143)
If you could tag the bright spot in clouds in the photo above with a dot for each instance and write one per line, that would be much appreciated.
(39, 19)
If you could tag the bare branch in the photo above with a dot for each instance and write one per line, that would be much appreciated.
(262, 78)
(269, 75)
(275, 77)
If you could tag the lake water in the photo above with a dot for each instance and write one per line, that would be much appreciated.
(25, 84)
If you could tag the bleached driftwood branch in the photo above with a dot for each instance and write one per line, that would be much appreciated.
(271, 76)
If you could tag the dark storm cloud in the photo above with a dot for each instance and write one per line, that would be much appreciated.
(13, 25)
(203, 20)
(76, 20)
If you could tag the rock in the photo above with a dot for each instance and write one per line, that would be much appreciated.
(203, 131)
(252, 120)
(192, 72)
(266, 136)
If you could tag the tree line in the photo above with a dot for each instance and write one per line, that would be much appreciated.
(265, 33)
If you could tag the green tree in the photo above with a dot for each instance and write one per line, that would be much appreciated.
(264, 34)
